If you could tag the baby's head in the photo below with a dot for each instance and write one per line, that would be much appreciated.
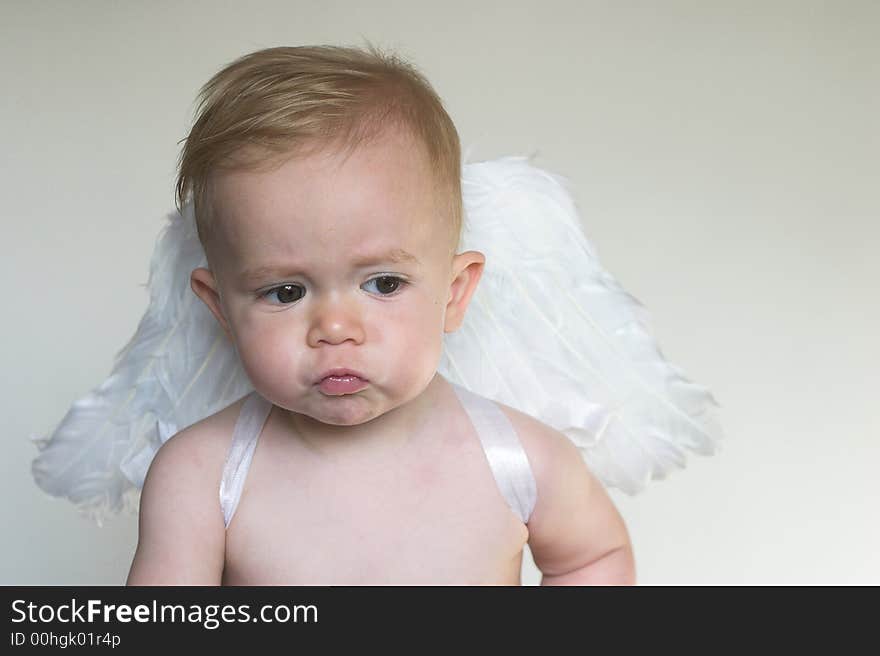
(326, 189)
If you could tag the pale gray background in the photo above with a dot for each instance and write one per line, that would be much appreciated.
(725, 159)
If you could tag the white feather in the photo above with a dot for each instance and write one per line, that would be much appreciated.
(548, 332)
(553, 334)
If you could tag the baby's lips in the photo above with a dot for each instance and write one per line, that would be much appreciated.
(340, 372)
(340, 385)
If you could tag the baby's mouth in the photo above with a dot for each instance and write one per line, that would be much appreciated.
(338, 381)
(339, 385)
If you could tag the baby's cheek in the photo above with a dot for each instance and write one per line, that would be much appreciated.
(270, 360)
(426, 341)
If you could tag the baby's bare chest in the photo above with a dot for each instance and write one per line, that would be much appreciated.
(434, 519)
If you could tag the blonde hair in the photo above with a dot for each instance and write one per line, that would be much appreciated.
(263, 107)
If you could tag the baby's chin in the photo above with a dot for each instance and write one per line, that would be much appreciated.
(344, 420)
(352, 409)
(345, 410)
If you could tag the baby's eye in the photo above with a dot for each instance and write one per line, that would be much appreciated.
(287, 294)
(387, 285)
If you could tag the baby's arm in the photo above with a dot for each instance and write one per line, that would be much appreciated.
(181, 533)
(576, 535)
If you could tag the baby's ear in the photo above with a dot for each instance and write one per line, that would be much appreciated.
(205, 287)
(467, 268)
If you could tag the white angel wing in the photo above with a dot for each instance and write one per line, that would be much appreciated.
(551, 333)
(178, 368)
(548, 332)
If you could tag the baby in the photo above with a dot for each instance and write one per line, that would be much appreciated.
(326, 189)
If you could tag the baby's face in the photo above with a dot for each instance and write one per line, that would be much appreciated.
(325, 264)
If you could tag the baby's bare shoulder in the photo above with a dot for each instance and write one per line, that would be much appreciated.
(574, 520)
(547, 449)
(200, 449)
(181, 534)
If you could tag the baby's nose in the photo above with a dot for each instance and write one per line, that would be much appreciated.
(334, 322)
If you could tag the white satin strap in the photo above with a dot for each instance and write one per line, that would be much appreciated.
(254, 412)
(506, 456)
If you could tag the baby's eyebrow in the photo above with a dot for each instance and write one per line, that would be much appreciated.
(396, 255)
